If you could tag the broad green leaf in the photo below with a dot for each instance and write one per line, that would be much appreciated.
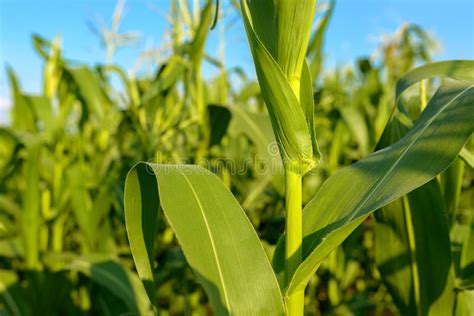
(412, 233)
(141, 213)
(354, 192)
(455, 69)
(417, 286)
(222, 247)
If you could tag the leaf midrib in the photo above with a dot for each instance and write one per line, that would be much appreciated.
(211, 237)
(405, 150)
(376, 186)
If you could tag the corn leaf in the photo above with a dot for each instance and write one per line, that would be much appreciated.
(352, 193)
(454, 69)
(222, 248)
(412, 233)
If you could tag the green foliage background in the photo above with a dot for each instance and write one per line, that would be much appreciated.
(65, 155)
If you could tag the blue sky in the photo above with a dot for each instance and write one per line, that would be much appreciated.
(353, 32)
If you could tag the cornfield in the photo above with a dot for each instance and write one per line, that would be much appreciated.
(301, 191)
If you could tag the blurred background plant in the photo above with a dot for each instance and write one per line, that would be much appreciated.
(65, 154)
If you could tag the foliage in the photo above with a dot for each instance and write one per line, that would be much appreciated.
(201, 226)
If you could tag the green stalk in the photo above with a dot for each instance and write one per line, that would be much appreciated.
(294, 237)
(294, 224)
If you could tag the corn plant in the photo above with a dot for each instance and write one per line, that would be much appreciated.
(65, 156)
(220, 244)
(62, 163)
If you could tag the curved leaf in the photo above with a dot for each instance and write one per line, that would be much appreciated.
(413, 231)
(347, 197)
(222, 246)
(455, 69)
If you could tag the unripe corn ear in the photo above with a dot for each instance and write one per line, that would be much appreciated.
(289, 98)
